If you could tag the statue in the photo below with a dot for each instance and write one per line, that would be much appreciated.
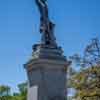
(46, 26)
(42, 6)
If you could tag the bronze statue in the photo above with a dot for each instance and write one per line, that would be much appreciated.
(46, 26)
(42, 6)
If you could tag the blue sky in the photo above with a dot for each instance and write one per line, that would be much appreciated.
(77, 21)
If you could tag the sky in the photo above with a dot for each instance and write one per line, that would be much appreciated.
(77, 21)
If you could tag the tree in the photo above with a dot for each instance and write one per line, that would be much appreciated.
(23, 90)
(4, 90)
(87, 80)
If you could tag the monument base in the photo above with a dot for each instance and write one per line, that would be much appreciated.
(46, 72)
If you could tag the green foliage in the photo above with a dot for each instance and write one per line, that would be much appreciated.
(23, 90)
(5, 92)
(22, 87)
(86, 82)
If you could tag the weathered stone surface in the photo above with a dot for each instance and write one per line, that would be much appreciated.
(47, 72)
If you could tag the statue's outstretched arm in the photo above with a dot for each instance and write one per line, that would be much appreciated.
(41, 2)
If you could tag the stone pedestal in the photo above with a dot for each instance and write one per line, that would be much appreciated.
(46, 72)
